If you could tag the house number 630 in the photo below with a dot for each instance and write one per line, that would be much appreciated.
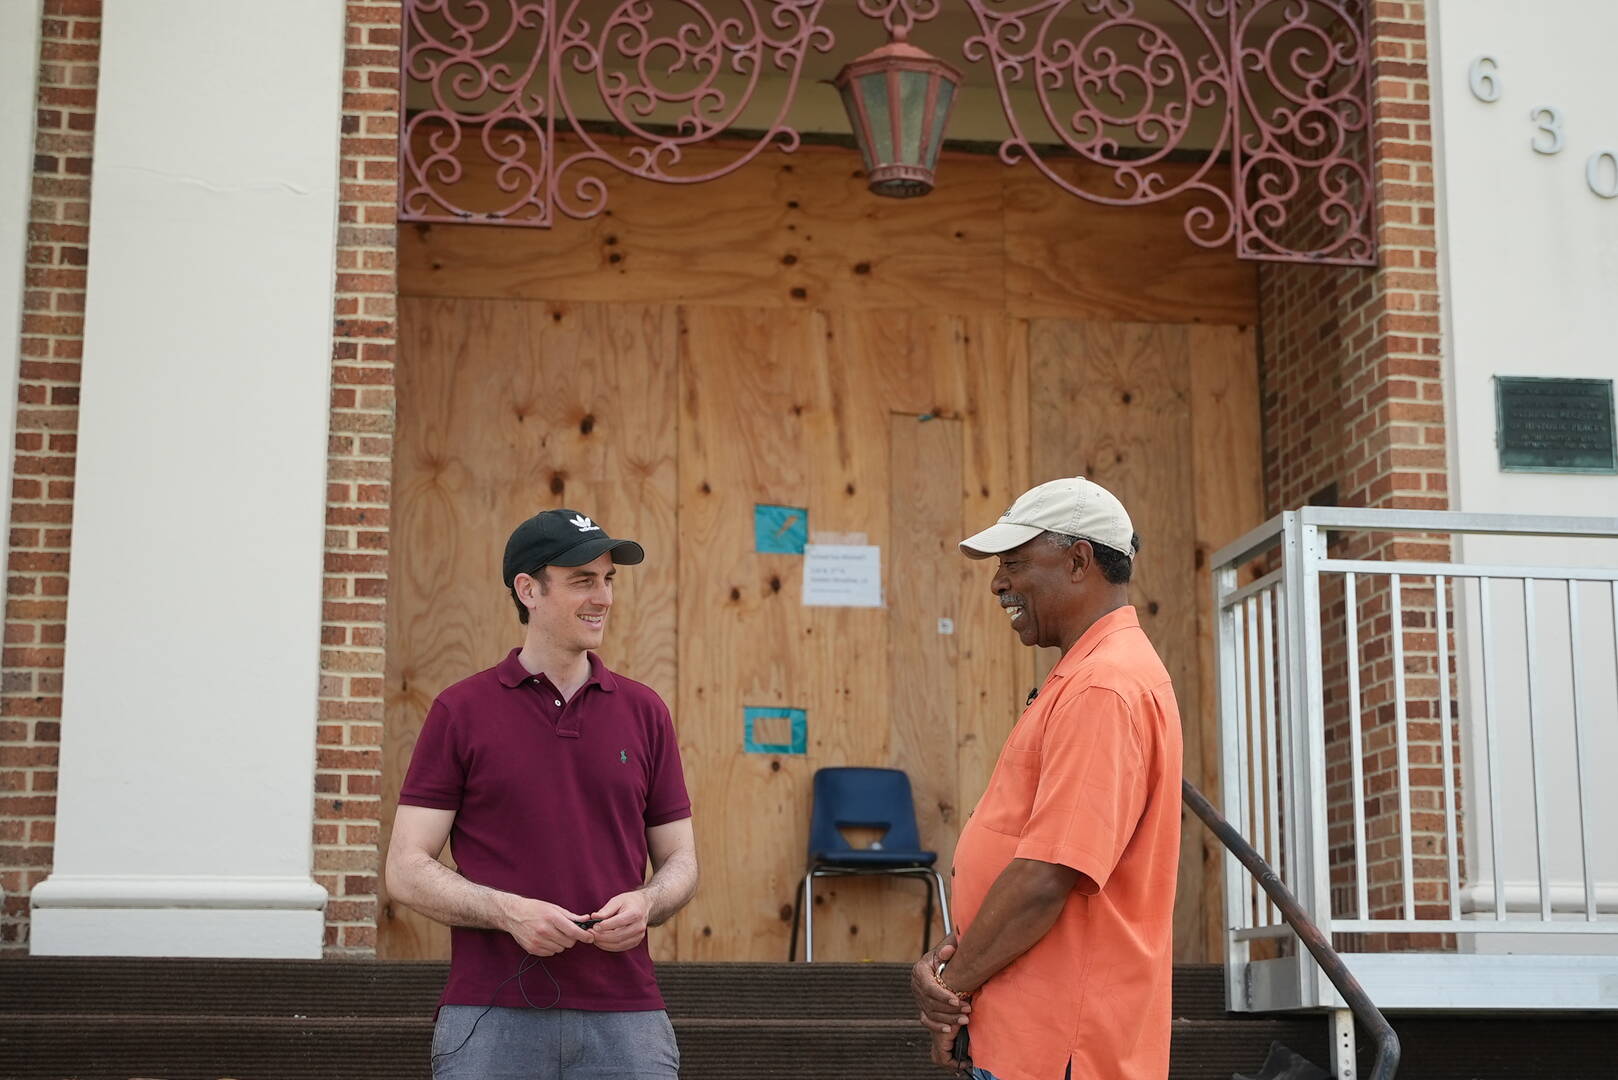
(1600, 169)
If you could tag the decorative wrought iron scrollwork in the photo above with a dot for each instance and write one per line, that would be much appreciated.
(1301, 165)
(1114, 105)
(1119, 92)
(898, 16)
(670, 81)
(456, 51)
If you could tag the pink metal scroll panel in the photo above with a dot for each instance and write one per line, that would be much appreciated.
(495, 73)
(1282, 85)
(1302, 164)
(1119, 93)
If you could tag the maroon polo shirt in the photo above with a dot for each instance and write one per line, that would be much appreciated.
(552, 801)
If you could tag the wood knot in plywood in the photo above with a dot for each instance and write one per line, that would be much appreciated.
(775, 583)
(587, 424)
(789, 259)
(558, 483)
(800, 293)
(1151, 608)
(785, 913)
(862, 268)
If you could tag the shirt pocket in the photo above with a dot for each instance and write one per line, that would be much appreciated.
(1010, 798)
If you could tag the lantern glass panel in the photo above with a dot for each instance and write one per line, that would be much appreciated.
(851, 106)
(946, 96)
(874, 89)
(912, 106)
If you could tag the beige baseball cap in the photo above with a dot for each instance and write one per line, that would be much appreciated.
(1072, 505)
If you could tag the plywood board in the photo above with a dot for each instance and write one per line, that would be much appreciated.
(801, 231)
(1228, 477)
(1115, 407)
(1068, 258)
(996, 670)
(924, 605)
(507, 408)
(743, 629)
(797, 231)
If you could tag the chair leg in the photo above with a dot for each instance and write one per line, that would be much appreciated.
(797, 914)
(943, 903)
(927, 918)
(809, 917)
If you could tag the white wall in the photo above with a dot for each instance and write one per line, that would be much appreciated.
(193, 645)
(1530, 260)
(19, 67)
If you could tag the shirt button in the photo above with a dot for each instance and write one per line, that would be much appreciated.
(558, 703)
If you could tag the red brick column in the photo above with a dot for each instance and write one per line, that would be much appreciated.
(47, 425)
(1354, 416)
(348, 775)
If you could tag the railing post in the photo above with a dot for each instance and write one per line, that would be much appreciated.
(1304, 546)
(1237, 952)
(1342, 1044)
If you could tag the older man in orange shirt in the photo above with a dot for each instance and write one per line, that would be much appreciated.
(1062, 960)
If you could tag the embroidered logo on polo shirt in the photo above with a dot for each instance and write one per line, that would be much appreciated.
(583, 524)
(623, 757)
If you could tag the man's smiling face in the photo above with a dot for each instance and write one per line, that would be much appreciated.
(1037, 590)
(572, 608)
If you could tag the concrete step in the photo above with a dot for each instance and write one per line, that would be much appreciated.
(114, 1019)
(50, 1046)
(368, 988)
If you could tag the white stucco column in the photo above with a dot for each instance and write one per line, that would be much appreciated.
(1530, 267)
(189, 697)
(19, 70)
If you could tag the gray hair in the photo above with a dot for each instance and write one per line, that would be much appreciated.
(1116, 566)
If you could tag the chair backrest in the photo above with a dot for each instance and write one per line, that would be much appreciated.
(869, 798)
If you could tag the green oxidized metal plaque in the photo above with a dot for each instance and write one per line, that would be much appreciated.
(1555, 425)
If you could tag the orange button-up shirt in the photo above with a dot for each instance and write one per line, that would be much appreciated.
(1089, 778)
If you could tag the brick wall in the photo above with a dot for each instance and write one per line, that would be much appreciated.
(348, 776)
(47, 425)
(1354, 415)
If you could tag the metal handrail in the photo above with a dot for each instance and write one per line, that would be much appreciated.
(1365, 1011)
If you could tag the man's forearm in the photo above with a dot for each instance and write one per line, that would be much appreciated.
(1021, 907)
(428, 886)
(671, 887)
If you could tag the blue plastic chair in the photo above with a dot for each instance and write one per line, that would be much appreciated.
(863, 798)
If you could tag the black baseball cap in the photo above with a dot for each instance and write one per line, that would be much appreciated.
(563, 538)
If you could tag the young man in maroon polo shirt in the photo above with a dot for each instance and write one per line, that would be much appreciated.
(554, 780)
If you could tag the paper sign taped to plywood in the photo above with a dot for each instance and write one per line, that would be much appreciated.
(818, 537)
(842, 575)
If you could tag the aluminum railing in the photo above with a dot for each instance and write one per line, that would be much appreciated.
(1413, 840)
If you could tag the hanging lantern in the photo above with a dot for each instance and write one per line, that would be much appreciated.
(898, 99)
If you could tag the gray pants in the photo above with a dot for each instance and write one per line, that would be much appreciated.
(553, 1044)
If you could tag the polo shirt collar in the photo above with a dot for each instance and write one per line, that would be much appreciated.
(1122, 618)
(512, 674)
